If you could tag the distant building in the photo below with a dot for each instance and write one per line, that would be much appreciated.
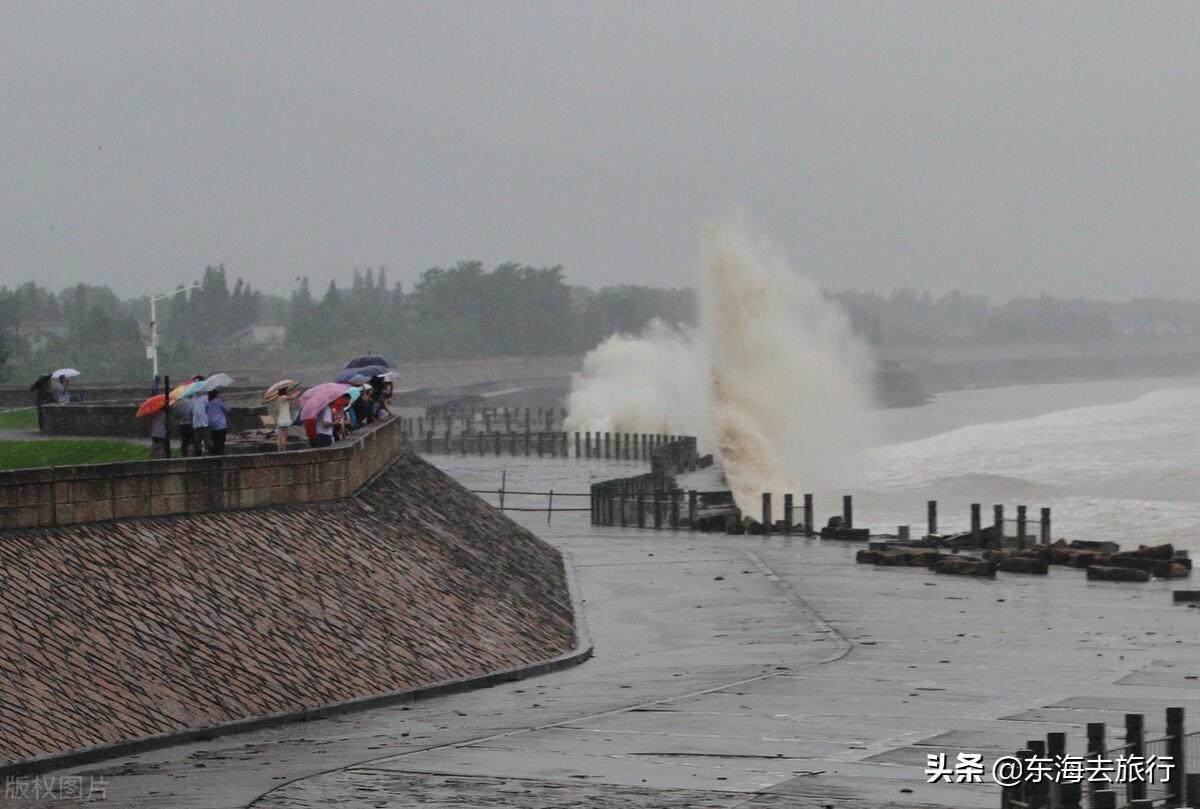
(259, 336)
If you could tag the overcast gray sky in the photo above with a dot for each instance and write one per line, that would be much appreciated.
(997, 148)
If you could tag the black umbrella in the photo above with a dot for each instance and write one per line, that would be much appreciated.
(367, 360)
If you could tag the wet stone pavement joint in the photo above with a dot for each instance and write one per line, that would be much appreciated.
(729, 671)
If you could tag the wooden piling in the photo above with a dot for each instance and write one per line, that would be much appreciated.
(788, 508)
(932, 517)
(587, 444)
(767, 522)
(1176, 752)
(1022, 527)
(976, 524)
(1095, 751)
(693, 509)
(1135, 740)
(1045, 526)
(577, 455)
(1056, 749)
(641, 510)
(808, 515)
(1191, 789)
(675, 509)
(998, 526)
(902, 533)
(847, 511)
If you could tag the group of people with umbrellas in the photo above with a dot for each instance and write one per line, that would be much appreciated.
(327, 411)
(203, 416)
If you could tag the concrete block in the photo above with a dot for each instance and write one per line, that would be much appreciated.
(167, 484)
(131, 486)
(1126, 574)
(965, 566)
(104, 509)
(1019, 564)
(125, 507)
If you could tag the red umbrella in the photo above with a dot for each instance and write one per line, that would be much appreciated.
(318, 397)
(152, 405)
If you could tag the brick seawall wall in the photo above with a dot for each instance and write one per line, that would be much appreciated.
(79, 494)
(119, 421)
(22, 396)
(118, 630)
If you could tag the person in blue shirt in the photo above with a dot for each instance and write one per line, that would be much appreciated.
(218, 423)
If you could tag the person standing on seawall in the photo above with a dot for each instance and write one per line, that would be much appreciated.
(158, 434)
(324, 437)
(283, 419)
(201, 437)
(218, 413)
(187, 438)
(60, 390)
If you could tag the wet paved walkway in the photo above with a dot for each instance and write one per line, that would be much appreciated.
(729, 672)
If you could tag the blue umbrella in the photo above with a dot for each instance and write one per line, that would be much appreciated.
(368, 360)
(346, 374)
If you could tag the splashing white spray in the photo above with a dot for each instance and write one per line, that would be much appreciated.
(774, 380)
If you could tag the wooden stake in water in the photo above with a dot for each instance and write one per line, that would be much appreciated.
(503, 478)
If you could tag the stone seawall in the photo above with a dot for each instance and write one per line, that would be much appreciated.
(80, 494)
(22, 396)
(120, 630)
(119, 421)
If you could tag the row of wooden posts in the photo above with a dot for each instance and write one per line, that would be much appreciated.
(526, 419)
(609, 508)
(613, 446)
(1180, 789)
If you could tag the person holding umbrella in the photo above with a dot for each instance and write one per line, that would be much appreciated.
(324, 437)
(218, 421)
(282, 393)
(201, 437)
(316, 413)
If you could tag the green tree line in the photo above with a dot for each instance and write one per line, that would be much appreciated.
(465, 311)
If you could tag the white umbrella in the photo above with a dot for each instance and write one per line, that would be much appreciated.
(69, 373)
(216, 381)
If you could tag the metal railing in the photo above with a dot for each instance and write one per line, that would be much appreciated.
(503, 504)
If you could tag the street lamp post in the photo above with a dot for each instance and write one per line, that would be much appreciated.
(154, 299)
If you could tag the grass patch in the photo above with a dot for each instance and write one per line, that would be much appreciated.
(24, 418)
(68, 452)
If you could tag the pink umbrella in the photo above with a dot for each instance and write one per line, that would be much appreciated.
(319, 397)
